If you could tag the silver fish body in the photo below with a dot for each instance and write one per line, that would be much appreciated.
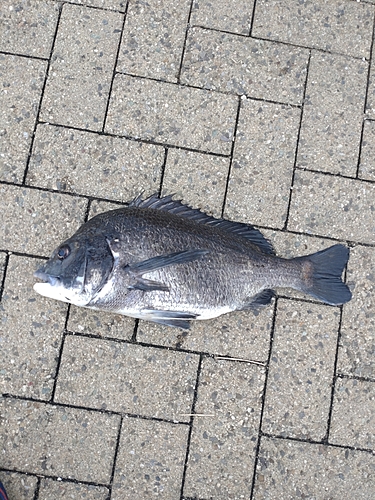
(160, 260)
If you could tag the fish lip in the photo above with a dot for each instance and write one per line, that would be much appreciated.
(46, 278)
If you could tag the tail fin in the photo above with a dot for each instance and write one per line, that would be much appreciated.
(322, 275)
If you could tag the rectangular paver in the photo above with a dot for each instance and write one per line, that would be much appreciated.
(119, 5)
(150, 460)
(240, 334)
(19, 486)
(262, 168)
(225, 15)
(35, 222)
(370, 104)
(334, 26)
(81, 68)
(46, 439)
(353, 414)
(128, 378)
(21, 82)
(86, 163)
(288, 469)
(244, 66)
(367, 162)
(332, 114)
(332, 206)
(153, 38)
(224, 439)
(198, 179)
(298, 394)
(28, 28)
(168, 113)
(357, 341)
(50, 489)
(30, 335)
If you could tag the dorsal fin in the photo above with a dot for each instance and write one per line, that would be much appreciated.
(167, 204)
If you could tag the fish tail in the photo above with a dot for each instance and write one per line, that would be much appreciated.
(321, 275)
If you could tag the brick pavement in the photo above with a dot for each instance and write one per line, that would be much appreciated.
(260, 111)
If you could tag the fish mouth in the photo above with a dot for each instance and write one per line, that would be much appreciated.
(46, 278)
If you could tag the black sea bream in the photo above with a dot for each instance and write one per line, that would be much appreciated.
(160, 260)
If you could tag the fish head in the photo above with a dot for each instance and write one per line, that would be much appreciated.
(76, 271)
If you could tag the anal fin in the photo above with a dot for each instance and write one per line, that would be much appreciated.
(262, 298)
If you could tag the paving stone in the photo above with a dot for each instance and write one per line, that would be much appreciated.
(223, 443)
(168, 113)
(126, 378)
(150, 460)
(332, 206)
(21, 81)
(370, 103)
(225, 15)
(100, 323)
(298, 394)
(353, 414)
(92, 164)
(82, 65)
(334, 26)
(31, 333)
(240, 334)
(119, 5)
(19, 486)
(198, 179)
(263, 162)
(244, 66)
(2, 265)
(357, 340)
(367, 162)
(288, 469)
(332, 115)
(35, 222)
(46, 439)
(51, 490)
(28, 27)
(153, 39)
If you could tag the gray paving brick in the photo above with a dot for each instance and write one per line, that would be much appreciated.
(367, 162)
(370, 104)
(150, 460)
(353, 414)
(119, 5)
(245, 66)
(21, 81)
(298, 394)
(28, 27)
(81, 67)
(198, 179)
(2, 265)
(333, 112)
(153, 39)
(31, 333)
(128, 378)
(225, 15)
(334, 26)
(100, 323)
(356, 349)
(92, 164)
(263, 162)
(19, 486)
(288, 469)
(223, 443)
(35, 222)
(332, 206)
(46, 439)
(240, 334)
(168, 113)
(51, 490)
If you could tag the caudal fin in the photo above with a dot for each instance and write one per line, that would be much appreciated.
(322, 275)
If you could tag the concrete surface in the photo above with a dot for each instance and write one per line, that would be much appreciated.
(261, 111)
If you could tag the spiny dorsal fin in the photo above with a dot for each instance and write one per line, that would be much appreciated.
(167, 204)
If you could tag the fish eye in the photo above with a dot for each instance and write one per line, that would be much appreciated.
(63, 252)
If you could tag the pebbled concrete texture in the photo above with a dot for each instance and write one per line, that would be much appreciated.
(259, 111)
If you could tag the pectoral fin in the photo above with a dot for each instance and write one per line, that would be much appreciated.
(155, 263)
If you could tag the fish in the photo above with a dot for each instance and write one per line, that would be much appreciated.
(160, 260)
